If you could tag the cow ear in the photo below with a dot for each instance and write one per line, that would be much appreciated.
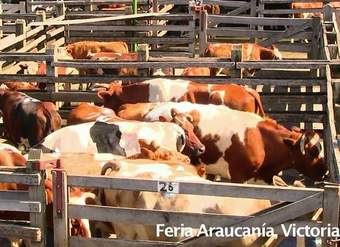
(102, 94)
(290, 141)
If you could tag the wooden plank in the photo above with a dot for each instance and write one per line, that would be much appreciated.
(23, 56)
(210, 189)
(28, 179)
(149, 217)
(91, 20)
(291, 11)
(23, 232)
(234, 4)
(138, 40)
(265, 21)
(230, 32)
(239, 10)
(14, 195)
(102, 242)
(20, 206)
(130, 28)
(271, 217)
(284, 64)
(153, 64)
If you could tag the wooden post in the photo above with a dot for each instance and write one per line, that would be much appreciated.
(89, 7)
(41, 16)
(1, 32)
(22, 7)
(155, 9)
(192, 24)
(236, 56)
(331, 201)
(20, 29)
(315, 48)
(60, 215)
(37, 193)
(261, 9)
(60, 9)
(327, 13)
(51, 71)
(134, 11)
(203, 37)
(143, 56)
(253, 14)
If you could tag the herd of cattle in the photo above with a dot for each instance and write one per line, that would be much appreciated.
(163, 129)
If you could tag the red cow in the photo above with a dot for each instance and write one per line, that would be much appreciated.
(80, 50)
(86, 112)
(27, 119)
(249, 52)
(162, 90)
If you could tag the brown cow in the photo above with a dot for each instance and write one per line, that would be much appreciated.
(80, 50)
(86, 112)
(196, 71)
(110, 56)
(249, 52)
(241, 145)
(162, 90)
(27, 119)
(311, 5)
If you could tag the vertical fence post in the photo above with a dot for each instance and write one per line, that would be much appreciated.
(143, 56)
(89, 7)
(1, 32)
(260, 13)
(155, 9)
(41, 17)
(20, 29)
(253, 14)
(203, 39)
(37, 193)
(51, 71)
(192, 32)
(60, 215)
(331, 201)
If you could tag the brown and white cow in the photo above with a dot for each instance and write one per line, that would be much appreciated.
(249, 52)
(87, 112)
(177, 172)
(242, 145)
(80, 50)
(27, 119)
(163, 90)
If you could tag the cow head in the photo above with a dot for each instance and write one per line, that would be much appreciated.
(193, 146)
(271, 53)
(306, 154)
(111, 96)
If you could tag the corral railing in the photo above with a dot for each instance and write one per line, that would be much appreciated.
(234, 29)
(295, 202)
(31, 202)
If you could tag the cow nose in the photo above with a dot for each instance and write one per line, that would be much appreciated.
(201, 150)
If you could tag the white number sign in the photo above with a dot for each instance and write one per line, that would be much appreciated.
(169, 187)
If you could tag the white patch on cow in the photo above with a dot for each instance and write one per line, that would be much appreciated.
(156, 170)
(29, 100)
(162, 90)
(215, 120)
(7, 147)
(129, 141)
(220, 93)
(72, 139)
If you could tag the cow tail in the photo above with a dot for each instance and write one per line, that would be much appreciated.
(258, 104)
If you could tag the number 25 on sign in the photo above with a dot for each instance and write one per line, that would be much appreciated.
(169, 187)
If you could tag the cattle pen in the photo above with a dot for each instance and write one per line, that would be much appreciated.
(295, 92)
